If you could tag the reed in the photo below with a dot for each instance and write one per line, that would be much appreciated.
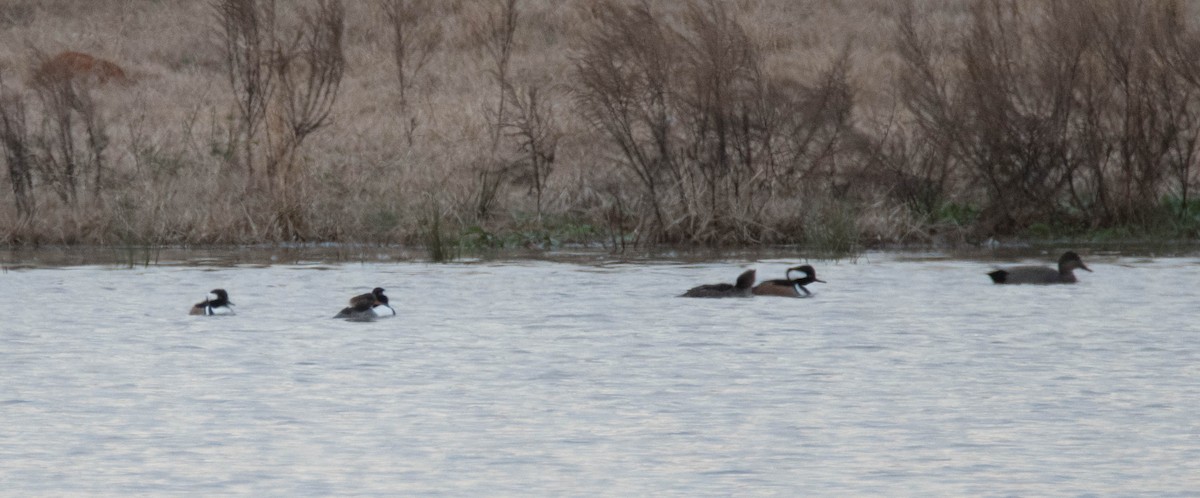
(440, 246)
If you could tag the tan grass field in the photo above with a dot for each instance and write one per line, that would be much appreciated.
(383, 172)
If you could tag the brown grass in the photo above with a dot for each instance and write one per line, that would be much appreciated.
(399, 140)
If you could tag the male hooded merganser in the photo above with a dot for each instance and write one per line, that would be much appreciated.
(789, 287)
(218, 303)
(367, 306)
(1041, 274)
(745, 282)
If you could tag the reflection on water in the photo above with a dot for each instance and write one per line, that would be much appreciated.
(590, 378)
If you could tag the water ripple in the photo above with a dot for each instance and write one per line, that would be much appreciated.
(913, 374)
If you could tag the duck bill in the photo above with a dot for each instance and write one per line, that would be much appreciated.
(819, 280)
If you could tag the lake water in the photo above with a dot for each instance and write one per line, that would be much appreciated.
(903, 375)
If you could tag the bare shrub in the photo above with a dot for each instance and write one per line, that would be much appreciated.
(246, 31)
(626, 72)
(532, 125)
(490, 177)
(309, 73)
(60, 139)
(1150, 116)
(618, 221)
(915, 173)
(708, 132)
(1123, 107)
(1178, 47)
(287, 78)
(1007, 118)
(18, 153)
(441, 246)
(415, 38)
(1063, 112)
(71, 138)
(497, 34)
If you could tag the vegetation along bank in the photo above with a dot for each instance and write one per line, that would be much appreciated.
(532, 123)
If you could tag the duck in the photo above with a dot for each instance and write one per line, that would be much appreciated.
(217, 303)
(745, 282)
(1041, 274)
(368, 306)
(789, 287)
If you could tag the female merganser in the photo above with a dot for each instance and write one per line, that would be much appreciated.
(745, 282)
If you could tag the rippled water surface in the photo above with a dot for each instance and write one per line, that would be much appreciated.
(901, 376)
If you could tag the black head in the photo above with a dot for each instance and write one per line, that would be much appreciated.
(1071, 261)
(378, 292)
(999, 276)
(222, 297)
(746, 279)
(810, 275)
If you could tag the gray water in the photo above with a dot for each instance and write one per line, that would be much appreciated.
(901, 376)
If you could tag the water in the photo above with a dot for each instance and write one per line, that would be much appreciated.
(902, 376)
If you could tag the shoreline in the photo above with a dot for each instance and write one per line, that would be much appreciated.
(62, 256)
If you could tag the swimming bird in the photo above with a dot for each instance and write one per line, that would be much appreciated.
(742, 288)
(1041, 274)
(217, 303)
(367, 306)
(789, 287)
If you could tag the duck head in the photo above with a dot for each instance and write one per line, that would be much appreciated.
(746, 279)
(810, 275)
(1071, 261)
(218, 297)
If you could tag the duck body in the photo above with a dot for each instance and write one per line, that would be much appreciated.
(383, 310)
(743, 288)
(789, 287)
(365, 315)
(218, 303)
(1065, 274)
(366, 307)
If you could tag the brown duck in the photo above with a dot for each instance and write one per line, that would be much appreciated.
(1065, 274)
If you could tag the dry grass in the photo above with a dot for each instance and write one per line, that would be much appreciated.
(372, 174)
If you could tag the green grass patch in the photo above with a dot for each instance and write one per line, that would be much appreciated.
(957, 214)
(526, 232)
(832, 230)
